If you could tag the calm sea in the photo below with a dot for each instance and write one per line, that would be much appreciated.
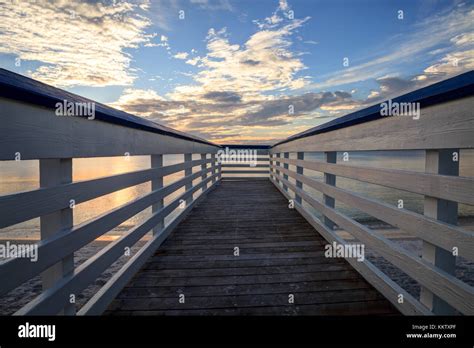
(24, 176)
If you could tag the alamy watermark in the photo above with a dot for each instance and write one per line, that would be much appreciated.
(26, 251)
(336, 250)
(28, 330)
(391, 108)
(240, 156)
(83, 109)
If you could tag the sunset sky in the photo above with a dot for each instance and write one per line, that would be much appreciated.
(232, 71)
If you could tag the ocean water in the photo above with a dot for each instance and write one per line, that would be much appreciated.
(401, 160)
(24, 176)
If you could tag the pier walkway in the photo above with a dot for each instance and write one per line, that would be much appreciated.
(242, 229)
(280, 268)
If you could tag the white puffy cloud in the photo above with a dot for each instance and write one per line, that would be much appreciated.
(181, 55)
(75, 43)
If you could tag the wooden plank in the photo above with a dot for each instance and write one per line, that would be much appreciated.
(243, 301)
(278, 163)
(242, 279)
(250, 171)
(376, 307)
(458, 189)
(391, 290)
(99, 302)
(244, 178)
(230, 257)
(244, 150)
(188, 157)
(23, 206)
(436, 232)
(157, 263)
(199, 256)
(243, 250)
(452, 290)
(203, 167)
(447, 125)
(244, 166)
(253, 245)
(244, 289)
(87, 272)
(156, 184)
(299, 170)
(55, 172)
(329, 179)
(237, 271)
(440, 162)
(230, 240)
(286, 155)
(67, 241)
(214, 168)
(37, 133)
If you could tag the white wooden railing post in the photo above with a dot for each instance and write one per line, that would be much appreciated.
(299, 170)
(54, 172)
(219, 169)
(188, 157)
(330, 179)
(214, 167)
(270, 159)
(277, 171)
(286, 166)
(445, 162)
(156, 184)
(203, 168)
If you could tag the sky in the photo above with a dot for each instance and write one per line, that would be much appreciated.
(243, 71)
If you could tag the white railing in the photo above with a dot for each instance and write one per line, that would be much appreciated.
(244, 161)
(35, 132)
(442, 130)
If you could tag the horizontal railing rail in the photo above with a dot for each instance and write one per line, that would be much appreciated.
(30, 129)
(445, 126)
(244, 161)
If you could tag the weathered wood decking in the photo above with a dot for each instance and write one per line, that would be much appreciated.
(280, 254)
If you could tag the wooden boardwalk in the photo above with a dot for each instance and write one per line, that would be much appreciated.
(280, 254)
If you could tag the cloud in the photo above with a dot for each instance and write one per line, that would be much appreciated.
(236, 85)
(241, 89)
(213, 5)
(452, 28)
(224, 97)
(193, 61)
(283, 5)
(181, 55)
(75, 43)
(263, 63)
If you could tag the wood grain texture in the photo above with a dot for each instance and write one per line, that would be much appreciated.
(455, 188)
(279, 254)
(455, 292)
(37, 133)
(424, 227)
(17, 270)
(443, 126)
(22, 206)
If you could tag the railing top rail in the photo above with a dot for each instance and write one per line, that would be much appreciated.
(243, 146)
(21, 88)
(454, 88)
